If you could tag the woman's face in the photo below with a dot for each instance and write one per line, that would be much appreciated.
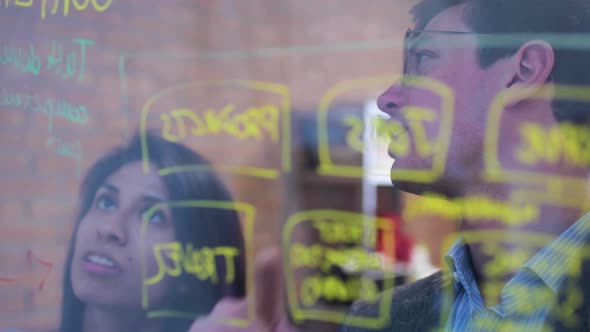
(106, 267)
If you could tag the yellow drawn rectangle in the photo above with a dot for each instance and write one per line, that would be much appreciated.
(440, 148)
(555, 184)
(267, 173)
(298, 313)
(248, 211)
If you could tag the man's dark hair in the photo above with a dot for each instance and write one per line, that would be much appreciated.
(524, 17)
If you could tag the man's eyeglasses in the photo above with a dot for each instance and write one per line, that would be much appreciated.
(411, 39)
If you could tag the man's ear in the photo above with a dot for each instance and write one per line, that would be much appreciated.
(533, 64)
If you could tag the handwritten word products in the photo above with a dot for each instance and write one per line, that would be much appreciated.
(252, 123)
(54, 5)
(198, 262)
(62, 60)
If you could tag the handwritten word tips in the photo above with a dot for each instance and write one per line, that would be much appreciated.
(395, 131)
(254, 122)
(54, 5)
(63, 61)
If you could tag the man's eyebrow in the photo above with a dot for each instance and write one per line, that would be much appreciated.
(110, 187)
(418, 40)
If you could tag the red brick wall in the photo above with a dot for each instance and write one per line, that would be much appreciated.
(308, 46)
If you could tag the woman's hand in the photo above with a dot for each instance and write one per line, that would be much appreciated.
(270, 313)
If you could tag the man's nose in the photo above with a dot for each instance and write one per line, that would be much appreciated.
(392, 99)
(112, 229)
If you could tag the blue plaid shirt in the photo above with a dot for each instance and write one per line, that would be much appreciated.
(527, 298)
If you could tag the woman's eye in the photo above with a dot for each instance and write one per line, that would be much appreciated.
(157, 217)
(105, 202)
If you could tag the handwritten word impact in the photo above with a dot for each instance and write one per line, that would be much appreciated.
(567, 141)
(254, 122)
(473, 208)
(71, 63)
(200, 263)
(79, 5)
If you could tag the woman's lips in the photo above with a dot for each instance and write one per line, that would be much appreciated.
(100, 265)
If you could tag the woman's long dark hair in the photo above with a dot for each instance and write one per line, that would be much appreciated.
(200, 226)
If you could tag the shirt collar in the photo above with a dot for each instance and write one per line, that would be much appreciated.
(553, 262)
(458, 261)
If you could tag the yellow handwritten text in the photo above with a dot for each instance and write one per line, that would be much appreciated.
(79, 5)
(394, 130)
(200, 263)
(473, 208)
(353, 259)
(332, 231)
(332, 288)
(567, 142)
(345, 239)
(254, 122)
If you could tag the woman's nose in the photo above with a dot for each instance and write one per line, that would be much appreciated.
(392, 100)
(112, 230)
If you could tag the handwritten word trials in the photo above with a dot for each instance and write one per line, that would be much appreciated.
(54, 5)
(63, 61)
(568, 143)
(252, 123)
(198, 262)
(394, 130)
(472, 208)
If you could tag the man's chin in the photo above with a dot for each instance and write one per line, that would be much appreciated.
(418, 188)
(411, 187)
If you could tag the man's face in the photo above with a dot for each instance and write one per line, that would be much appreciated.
(450, 59)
